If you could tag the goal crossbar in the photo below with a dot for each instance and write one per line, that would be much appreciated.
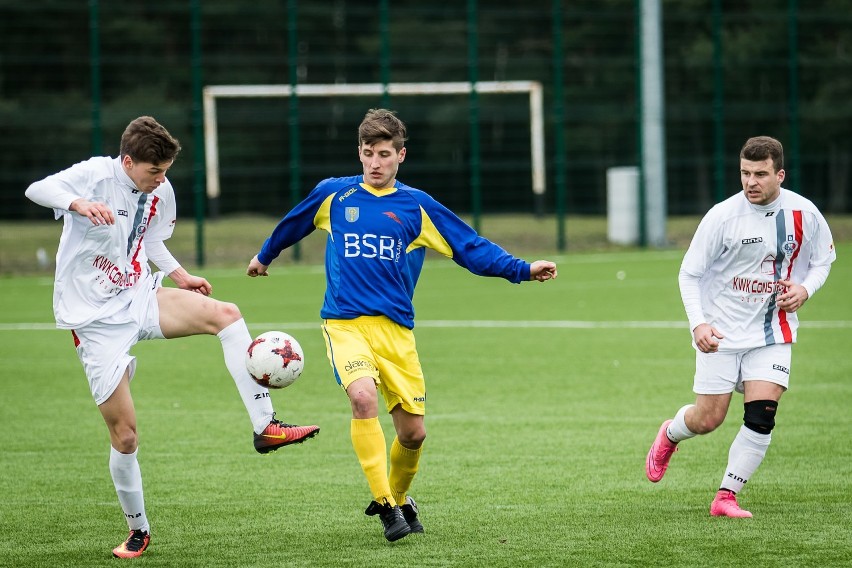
(212, 92)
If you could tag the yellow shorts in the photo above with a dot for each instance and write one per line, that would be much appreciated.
(377, 347)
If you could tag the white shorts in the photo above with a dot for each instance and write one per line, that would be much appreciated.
(104, 345)
(725, 371)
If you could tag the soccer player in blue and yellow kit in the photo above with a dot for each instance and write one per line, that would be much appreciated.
(378, 231)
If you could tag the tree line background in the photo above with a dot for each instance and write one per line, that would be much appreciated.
(70, 82)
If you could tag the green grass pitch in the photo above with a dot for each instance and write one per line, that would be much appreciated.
(542, 402)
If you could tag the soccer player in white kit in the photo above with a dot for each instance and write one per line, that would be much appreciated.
(117, 214)
(754, 260)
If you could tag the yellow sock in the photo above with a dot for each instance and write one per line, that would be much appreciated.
(403, 466)
(368, 439)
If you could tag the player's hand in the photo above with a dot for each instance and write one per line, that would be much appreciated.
(98, 213)
(542, 270)
(255, 268)
(794, 298)
(200, 285)
(186, 281)
(706, 338)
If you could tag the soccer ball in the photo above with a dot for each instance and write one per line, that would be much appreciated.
(275, 359)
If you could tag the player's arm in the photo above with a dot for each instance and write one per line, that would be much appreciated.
(819, 265)
(297, 224)
(59, 192)
(795, 295)
(706, 245)
(160, 255)
(443, 231)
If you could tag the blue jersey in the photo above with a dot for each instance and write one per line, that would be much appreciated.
(377, 240)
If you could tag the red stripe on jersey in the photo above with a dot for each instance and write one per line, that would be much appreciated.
(785, 326)
(135, 260)
(797, 236)
(76, 339)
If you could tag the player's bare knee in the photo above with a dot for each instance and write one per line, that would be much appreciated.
(222, 315)
(229, 313)
(759, 415)
(124, 439)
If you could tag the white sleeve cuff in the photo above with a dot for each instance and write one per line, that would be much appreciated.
(160, 255)
(816, 277)
(690, 293)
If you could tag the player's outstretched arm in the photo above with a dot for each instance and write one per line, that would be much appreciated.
(256, 268)
(542, 270)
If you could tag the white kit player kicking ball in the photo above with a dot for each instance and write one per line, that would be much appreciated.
(754, 260)
(117, 213)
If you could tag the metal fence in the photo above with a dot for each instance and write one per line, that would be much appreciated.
(72, 74)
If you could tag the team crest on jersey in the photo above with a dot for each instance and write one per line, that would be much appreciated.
(352, 214)
(140, 230)
(790, 246)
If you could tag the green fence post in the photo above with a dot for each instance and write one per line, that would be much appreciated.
(95, 78)
(293, 117)
(473, 118)
(197, 129)
(792, 179)
(558, 126)
(384, 48)
(640, 146)
(718, 105)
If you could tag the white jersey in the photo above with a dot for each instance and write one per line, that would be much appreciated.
(737, 256)
(98, 266)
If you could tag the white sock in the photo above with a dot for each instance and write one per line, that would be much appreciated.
(127, 478)
(677, 430)
(235, 342)
(746, 453)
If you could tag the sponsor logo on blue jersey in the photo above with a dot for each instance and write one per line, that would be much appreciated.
(371, 246)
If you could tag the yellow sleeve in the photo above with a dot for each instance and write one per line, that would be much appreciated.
(322, 220)
(429, 237)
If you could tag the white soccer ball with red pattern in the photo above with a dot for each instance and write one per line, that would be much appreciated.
(275, 359)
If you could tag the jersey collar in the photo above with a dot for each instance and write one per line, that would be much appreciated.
(377, 191)
(122, 176)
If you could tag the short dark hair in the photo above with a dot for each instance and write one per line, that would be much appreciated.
(760, 148)
(146, 140)
(382, 124)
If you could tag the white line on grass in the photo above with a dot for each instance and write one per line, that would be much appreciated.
(449, 324)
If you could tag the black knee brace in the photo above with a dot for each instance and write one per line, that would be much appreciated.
(760, 415)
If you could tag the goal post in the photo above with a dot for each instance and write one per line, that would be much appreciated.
(213, 92)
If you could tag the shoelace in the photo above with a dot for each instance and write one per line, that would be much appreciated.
(136, 541)
(277, 422)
